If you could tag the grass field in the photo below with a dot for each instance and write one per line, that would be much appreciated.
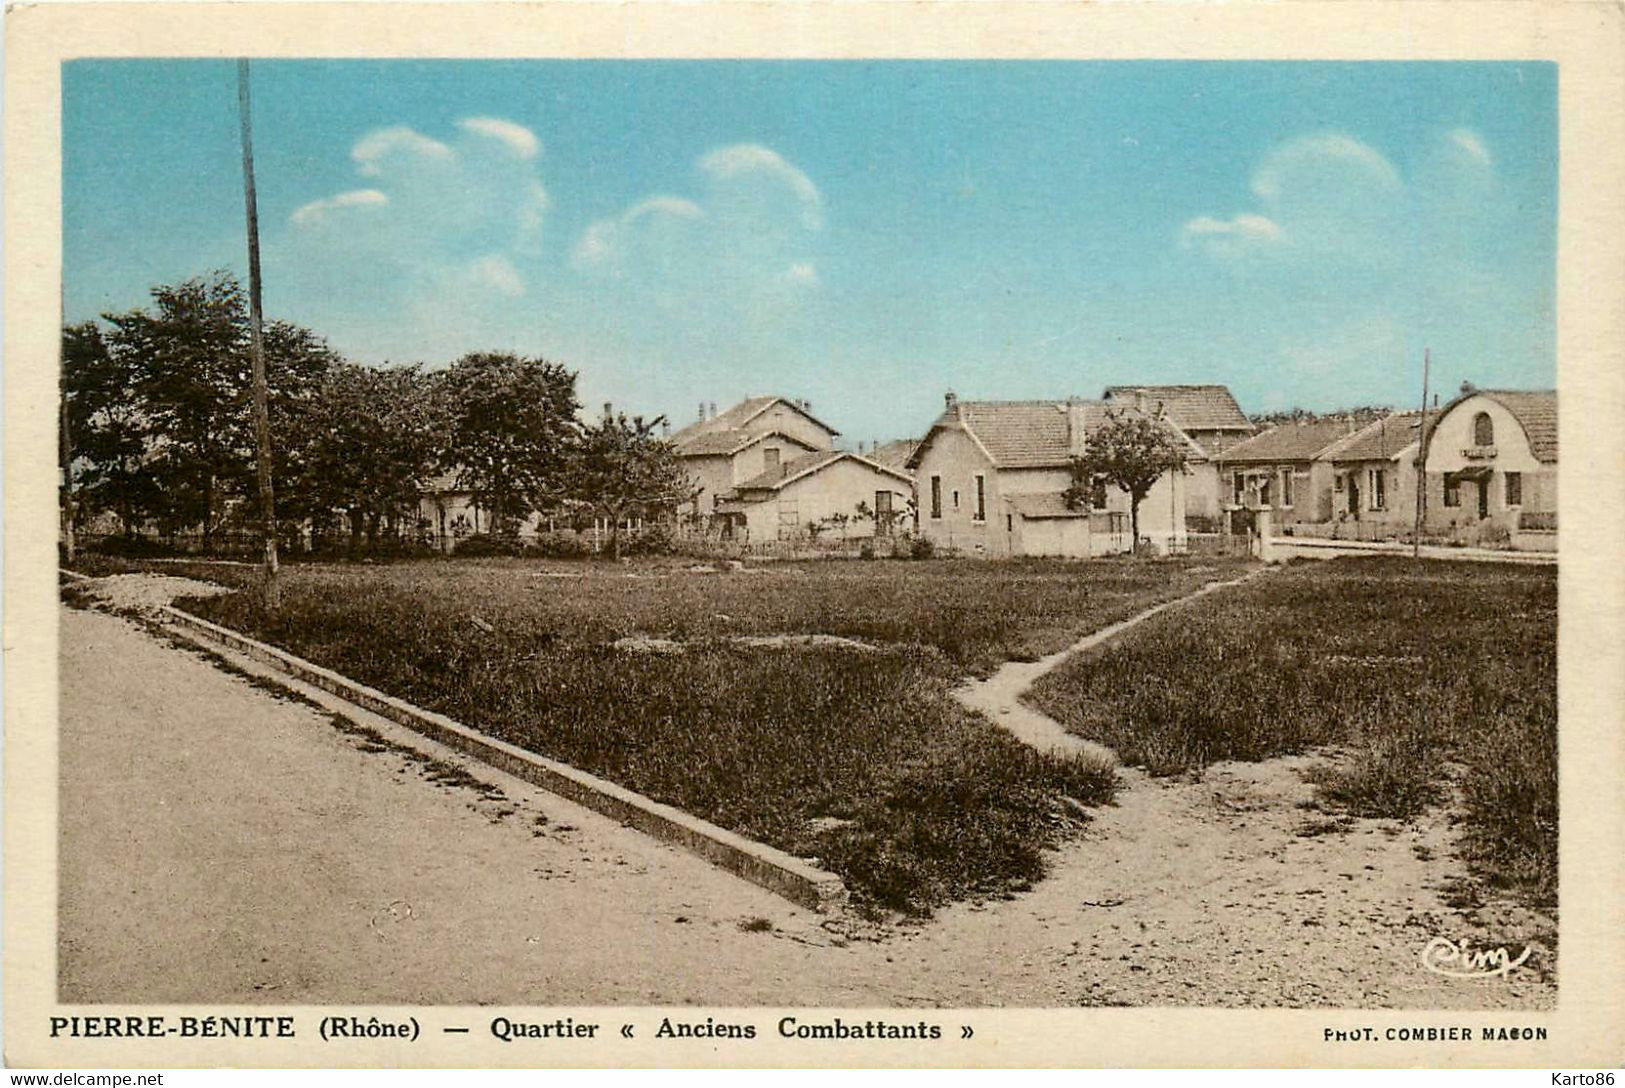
(1428, 675)
(860, 759)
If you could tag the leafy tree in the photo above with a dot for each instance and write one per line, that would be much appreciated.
(184, 365)
(107, 432)
(365, 446)
(1128, 451)
(620, 467)
(510, 424)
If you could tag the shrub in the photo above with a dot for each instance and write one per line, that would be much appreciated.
(922, 548)
(558, 546)
(484, 545)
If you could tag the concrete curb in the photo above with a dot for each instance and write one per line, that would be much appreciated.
(797, 880)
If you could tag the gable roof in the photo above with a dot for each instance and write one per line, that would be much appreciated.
(1380, 441)
(1193, 407)
(894, 454)
(1290, 442)
(1028, 433)
(739, 418)
(1534, 409)
(787, 472)
(728, 442)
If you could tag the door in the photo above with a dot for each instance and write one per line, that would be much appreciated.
(883, 513)
(1354, 494)
(1483, 498)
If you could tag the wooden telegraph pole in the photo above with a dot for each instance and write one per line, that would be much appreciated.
(1421, 460)
(256, 347)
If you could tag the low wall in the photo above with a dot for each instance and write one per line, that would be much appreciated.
(775, 870)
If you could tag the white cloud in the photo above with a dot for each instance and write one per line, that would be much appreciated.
(1314, 161)
(317, 210)
(804, 273)
(1472, 143)
(745, 162)
(375, 147)
(603, 243)
(1244, 227)
(516, 137)
(498, 274)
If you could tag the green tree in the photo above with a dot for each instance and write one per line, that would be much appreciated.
(184, 363)
(509, 427)
(107, 433)
(365, 447)
(620, 468)
(1129, 451)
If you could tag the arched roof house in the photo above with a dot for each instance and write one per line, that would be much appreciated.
(1491, 454)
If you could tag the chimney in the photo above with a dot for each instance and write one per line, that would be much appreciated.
(1468, 387)
(665, 428)
(702, 411)
(1077, 435)
(1139, 401)
(609, 410)
(713, 409)
(949, 401)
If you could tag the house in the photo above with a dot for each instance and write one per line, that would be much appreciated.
(1491, 456)
(722, 450)
(833, 492)
(1210, 417)
(1374, 474)
(1284, 468)
(990, 476)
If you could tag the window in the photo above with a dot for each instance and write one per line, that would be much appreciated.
(770, 458)
(1009, 523)
(1337, 482)
(1239, 482)
(1286, 487)
(936, 496)
(956, 498)
(981, 498)
(1378, 488)
(1452, 491)
(1483, 430)
(1514, 489)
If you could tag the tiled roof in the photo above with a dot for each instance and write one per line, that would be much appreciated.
(1289, 442)
(1030, 433)
(1379, 441)
(723, 443)
(1534, 409)
(787, 471)
(894, 454)
(1193, 407)
(738, 418)
(1044, 504)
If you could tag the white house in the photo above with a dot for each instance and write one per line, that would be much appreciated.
(990, 475)
(1491, 455)
(722, 450)
(829, 492)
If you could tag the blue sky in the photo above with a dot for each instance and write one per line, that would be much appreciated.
(862, 234)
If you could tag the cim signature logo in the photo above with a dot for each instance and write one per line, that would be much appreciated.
(1445, 957)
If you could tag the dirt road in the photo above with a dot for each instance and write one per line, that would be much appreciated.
(219, 844)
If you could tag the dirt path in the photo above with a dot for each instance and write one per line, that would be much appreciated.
(999, 695)
(222, 845)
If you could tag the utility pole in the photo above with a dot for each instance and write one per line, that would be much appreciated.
(1421, 460)
(256, 347)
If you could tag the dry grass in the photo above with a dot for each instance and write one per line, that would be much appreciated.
(1412, 669)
